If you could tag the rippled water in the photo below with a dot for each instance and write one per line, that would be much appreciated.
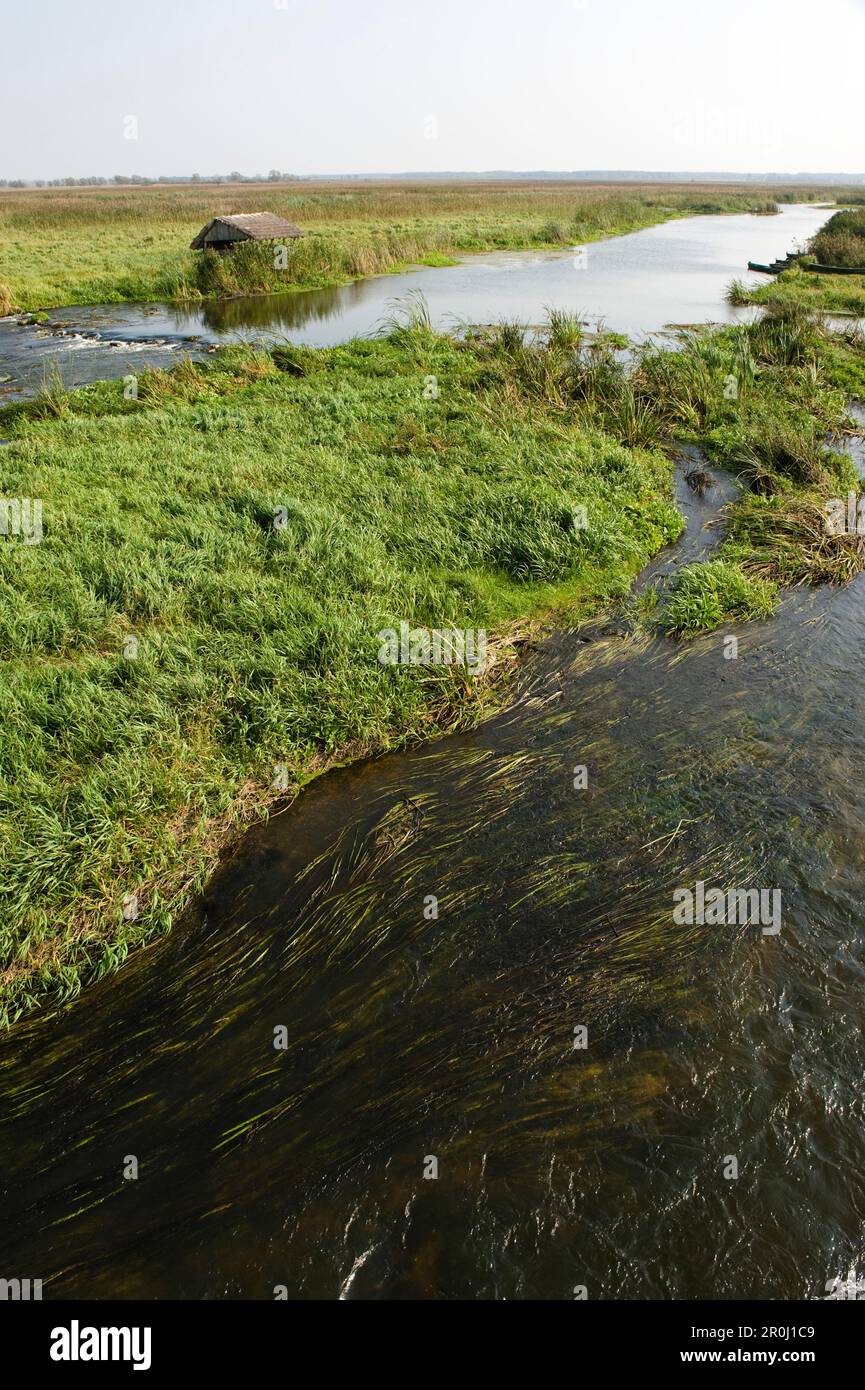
(410, 1037)
(675, 273)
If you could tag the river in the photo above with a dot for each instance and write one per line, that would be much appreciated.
(674, 273)
(429, 1128)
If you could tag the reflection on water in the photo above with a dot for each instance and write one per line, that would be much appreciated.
(411, 1035)
(675, 273)
(279, 314)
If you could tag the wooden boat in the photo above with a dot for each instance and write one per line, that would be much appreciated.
(836, 269)
(776, 266)
(793, 259)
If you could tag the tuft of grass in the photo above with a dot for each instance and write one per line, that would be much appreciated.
(564, 329)
(508, 337)
(296, 361)
(774, 448)
(787, 541)
(552, 234)
(53, 398)
(408, 319)
(704, 595)
(786, 334)
(738, 293)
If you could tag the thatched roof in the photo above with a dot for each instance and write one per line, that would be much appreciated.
(245, 226)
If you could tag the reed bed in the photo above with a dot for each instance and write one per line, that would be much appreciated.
(115, 244)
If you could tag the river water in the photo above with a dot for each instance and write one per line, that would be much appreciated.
(674, 273)
(411, 1037)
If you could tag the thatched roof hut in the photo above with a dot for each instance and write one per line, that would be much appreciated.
(224, 232)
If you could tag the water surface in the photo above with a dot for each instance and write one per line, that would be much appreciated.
(676, 272)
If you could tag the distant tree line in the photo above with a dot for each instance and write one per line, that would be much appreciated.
(274, 176)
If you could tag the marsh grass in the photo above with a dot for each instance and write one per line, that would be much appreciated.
(831, 294)
(842, 240)
(565, 329)
(759, 398)
(738, 293)
(109, 245)
(703, 595)
(407, 320)
(786, 540)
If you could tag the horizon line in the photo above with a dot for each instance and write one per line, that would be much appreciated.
(563, 175)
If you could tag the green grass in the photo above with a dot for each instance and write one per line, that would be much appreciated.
(109, 245)
(125, 766)
(705, 595)
(842, 240)
(759, 399)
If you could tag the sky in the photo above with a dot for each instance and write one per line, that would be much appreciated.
(360, 86)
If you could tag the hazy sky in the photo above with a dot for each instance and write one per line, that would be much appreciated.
(336, 86)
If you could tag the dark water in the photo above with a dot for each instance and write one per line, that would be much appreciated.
(411, 1037)
(673, 273)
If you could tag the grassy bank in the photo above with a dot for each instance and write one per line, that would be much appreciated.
(760, 400)
(109, 245)
(167, 647)
(791, 380)
(830, 294)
